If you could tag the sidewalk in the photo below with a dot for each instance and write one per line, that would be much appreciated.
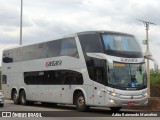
(153, 105)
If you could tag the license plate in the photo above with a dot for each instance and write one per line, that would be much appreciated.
(131, 103)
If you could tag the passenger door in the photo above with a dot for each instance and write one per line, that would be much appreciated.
(66, 93)
(6, 86)
(99, 95)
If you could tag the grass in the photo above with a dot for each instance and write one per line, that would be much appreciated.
(155, 79)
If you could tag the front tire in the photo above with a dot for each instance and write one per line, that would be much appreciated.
(23, 100)
(81, 103)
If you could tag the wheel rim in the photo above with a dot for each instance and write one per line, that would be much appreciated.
(81, 101)
(15, 97)
(23, 99)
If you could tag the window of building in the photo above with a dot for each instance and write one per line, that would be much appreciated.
(4, 79)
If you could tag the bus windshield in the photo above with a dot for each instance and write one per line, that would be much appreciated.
(118, 42)
(127, 75)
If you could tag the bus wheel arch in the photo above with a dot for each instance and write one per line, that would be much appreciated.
(79, 100)
(14, 96)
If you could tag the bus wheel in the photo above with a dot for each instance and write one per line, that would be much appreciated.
(22, 98)
(15, 97)
(80, 103)
(115, 109)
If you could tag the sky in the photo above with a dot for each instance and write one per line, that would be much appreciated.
(45, 20)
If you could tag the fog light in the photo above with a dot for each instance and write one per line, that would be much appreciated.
(112, 101)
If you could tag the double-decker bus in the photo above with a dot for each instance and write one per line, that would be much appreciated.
(94, 68)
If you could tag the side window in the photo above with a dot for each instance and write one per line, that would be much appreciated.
(61, 47)
(96, 70)
(90, 43)
(60, 77)
(7, 58)
(53, 48)
(73, 78)
(96, 67)
(4, 79)
(69, 48)
(41, 51)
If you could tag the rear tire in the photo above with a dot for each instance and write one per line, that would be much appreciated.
(23, 100)
(81, 103)
(115, 109)
(15, 97)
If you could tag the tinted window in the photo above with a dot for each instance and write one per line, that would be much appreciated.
(53, 48)
(96, 67)
(97, 70)
(69, 48)
(90, 43)
(60, 77)
(62, 47)
(120, 43)
(7, 58)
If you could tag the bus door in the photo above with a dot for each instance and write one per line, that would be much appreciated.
(66, 93)
(6, 85)
(66, 88)
(99, 94)
(90, 96)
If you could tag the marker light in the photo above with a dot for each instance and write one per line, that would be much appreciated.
(113, 94)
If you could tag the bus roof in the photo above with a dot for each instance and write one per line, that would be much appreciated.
(72, 35)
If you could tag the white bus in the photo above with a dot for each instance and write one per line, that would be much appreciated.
(94, 68)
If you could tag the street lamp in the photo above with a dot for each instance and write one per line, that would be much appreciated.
(147, 53)
(21, 22)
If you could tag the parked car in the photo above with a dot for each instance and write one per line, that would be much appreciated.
(1, 99)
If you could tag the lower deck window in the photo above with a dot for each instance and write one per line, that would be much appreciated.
(59, 77)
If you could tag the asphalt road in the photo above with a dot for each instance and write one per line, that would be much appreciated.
(64, 112)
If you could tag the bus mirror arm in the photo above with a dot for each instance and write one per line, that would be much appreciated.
(155, 62)
(103, 57)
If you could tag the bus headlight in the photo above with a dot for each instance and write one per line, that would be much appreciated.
(145, 94)
(113, 94)
(112, 101)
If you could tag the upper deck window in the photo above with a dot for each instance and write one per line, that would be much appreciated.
(55, 48)
(120, 43)
(90, 43)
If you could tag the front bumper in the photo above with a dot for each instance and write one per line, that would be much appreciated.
(120, 101)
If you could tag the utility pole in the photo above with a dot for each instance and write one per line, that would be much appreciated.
(147, 53)
(21, 22)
